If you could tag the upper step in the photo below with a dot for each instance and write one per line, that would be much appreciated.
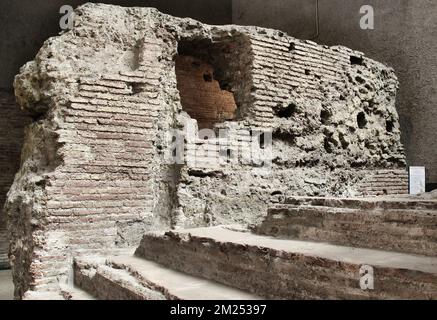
(127, 277)
(382, 202)
(386, 224)
(290, 269)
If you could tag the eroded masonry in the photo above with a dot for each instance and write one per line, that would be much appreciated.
(95, 175)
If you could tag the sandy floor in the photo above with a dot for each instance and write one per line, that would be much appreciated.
(6, 286)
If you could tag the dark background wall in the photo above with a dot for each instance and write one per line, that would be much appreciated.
(26, 24)
(405, 37)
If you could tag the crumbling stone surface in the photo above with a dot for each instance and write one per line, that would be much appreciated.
(105, 96)
(201, 95)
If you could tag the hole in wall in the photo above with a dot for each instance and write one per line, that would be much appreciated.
(359, 79)
(389, 126)
(325, 117)
(136, 88)
(356, 60)
(202, 73)
(292, 46)
(361, 120)
(284, 136)
(307, 72)
(286, 112)
(207, 77)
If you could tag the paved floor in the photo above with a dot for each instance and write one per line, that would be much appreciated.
(6, 286)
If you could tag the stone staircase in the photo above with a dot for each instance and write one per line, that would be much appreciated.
(301, 251)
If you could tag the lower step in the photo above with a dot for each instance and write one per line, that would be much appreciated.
(289, 269)
(132, 278)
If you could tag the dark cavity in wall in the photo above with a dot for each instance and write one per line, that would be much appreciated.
(205, 72)
(284, 136)
(286, 112)
(357, 60)
(389, 125)
(361, 120)
(325, 117)
(211, 78)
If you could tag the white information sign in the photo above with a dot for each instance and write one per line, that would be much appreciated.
(417, 180)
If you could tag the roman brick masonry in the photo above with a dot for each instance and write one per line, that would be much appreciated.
(305, 139)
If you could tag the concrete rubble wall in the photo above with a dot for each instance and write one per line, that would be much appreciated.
(403, 37)
(105, 96)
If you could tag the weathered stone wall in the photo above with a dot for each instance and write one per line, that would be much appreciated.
(12, 123)
(403, 37)
(331, 112)
(95, 173)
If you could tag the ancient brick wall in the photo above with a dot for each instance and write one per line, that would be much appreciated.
(12, 123)
(105, 96)
(331, 114)
(92, 163)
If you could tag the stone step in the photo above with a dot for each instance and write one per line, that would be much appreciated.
(401, 230)
(131, 278)
(382, 202)
(290, 269)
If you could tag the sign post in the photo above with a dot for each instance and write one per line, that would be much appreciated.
(416, 180)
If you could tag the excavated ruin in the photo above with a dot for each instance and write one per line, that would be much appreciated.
(107, 95)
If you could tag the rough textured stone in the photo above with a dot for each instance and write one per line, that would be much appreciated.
(201, 95)
(105, 96)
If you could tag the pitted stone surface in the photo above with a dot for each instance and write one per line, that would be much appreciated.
(290, 269)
